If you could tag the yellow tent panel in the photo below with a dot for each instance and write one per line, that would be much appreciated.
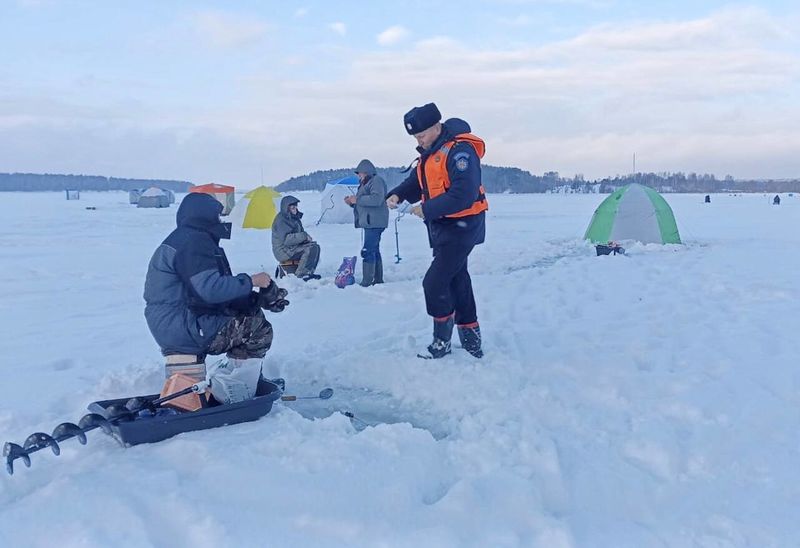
(261, 209)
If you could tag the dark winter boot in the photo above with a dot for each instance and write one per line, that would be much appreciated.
(368, 274)
(379, 271)
(442, 333)
(470, 337)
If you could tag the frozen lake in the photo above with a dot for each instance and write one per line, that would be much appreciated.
(651, 399)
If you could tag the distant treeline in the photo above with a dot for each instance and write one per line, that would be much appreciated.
(518, 181)
(32, 182)
(495, 179)
(702, 183)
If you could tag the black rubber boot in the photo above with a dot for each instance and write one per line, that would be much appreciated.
(379, 271)
(437, 349)
(470, 337)
(442, 333)
(368, 274)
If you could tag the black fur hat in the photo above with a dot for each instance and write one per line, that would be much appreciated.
(421, 118)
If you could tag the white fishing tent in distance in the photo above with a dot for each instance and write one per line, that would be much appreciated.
(153, 197)
(333, 208)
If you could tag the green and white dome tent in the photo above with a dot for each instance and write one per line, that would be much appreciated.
(634, 212)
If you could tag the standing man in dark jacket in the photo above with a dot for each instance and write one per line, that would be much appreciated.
(447, 181)
(196, 306)
(372, 214)
(291, 242)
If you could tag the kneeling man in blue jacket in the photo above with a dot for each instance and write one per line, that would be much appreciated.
(196, 306)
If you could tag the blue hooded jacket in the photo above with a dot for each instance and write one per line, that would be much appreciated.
(190, 291)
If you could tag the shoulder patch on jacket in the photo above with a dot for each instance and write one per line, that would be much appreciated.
(461, 161)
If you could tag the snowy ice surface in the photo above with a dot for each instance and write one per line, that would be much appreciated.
(651, 399)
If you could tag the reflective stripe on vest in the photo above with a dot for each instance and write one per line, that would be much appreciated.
(435, 181)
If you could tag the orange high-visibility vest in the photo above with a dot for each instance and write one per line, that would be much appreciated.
(434, 179)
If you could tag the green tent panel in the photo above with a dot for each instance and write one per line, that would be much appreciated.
(634, 212)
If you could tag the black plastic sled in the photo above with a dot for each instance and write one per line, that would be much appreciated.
(151, 428)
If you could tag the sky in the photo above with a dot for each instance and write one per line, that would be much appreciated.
(244, 92)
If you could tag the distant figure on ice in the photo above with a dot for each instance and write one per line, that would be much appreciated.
(372, 214)
(776, 200)
(196, 306)
(708, 198)
(447, 180)
(609, 249)
(291, 242)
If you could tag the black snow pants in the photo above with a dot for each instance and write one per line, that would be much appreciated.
(447, 285)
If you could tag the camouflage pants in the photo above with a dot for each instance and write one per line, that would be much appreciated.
(245, 336)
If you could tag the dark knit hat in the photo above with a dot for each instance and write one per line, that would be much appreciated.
(421, 118)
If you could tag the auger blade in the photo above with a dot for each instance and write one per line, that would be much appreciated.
(119, 413)
(68, 430)
(134, 405)
(40, 440)
(91, 421)
(12, 451)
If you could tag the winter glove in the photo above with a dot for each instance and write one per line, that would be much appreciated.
(272, 298)
(248, 305)
(278, 305)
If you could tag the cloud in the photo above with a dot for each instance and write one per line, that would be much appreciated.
(717, 94)
(436, 42)
(339, 28)
(226, 30)
(301, 12)
(728, 28)
(392, 35)
(688, 95)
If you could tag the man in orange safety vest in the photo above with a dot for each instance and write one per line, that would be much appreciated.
(452, 203)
